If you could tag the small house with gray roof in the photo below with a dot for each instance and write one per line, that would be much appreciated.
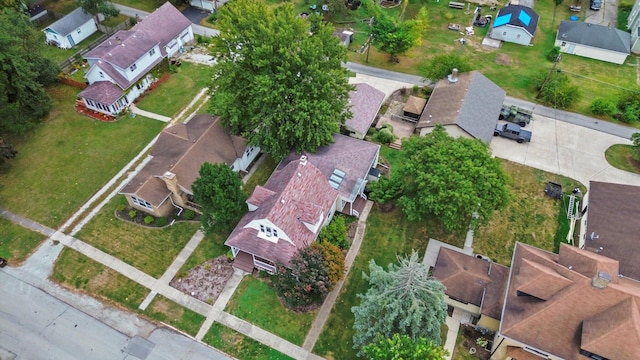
(71, 29)
(119, 67)
(164, 183)
(516, 24)
(594, 41)
(365, 102)
(466, 104)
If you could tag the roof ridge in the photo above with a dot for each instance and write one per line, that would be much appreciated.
(194, 142)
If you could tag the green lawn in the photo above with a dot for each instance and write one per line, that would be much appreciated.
(77, 271)
(619, 156)
(257, 302)
(59, 55)
(210, 247)
(261, 175)
(240, 346)
(17, 242)
(179, 90)
(67, 158)
(149, 250)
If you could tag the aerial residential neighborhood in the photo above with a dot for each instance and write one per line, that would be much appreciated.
(253, 179)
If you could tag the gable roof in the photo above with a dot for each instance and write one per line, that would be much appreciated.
(598, 36)
(365, 102)
(125, 47)
(70, 22)
(104, 92)
(576, 316)
(295, 193)
(473, 103)
(612, 218)
(415, 105)
(519, 16)
(472, 280)
(182, 149)
(352, 156)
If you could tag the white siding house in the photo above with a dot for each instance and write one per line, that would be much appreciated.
(516, 24)
(633, 25)
(119, 67)
(71, 29)
(593, 41)
(208, 5)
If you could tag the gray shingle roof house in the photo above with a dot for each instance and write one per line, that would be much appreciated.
(516, 24)
(125, 59)
(613, 228)
(71, 29)
(365, 102)
(181, 149)
(593, 41)
(469, 106)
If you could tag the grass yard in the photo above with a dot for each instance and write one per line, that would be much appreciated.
(77, 271)
(619, 156)
(179, 90)
(67, 158)
(530, 217)
(210, 247)
(167, 311)
(149, 250)
(17, 242)
(58, 55)
(257, 302)
(240, 346)
(261, 175)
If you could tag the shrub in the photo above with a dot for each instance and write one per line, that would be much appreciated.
(553, 54)
(211, 19)
(602, 107)
(230, 255)
(161, 221)
(415, 90)
(631, 113)
(173, 68)
(384, 136)
(189, 215)
(203, 39)
(309, 285)
(148, 219)
(333, 261)
(335, 233)
(427, 91)
(133, 214)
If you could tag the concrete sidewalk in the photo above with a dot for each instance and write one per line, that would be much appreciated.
(150, 115)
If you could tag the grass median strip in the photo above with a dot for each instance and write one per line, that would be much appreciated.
(240, 346)
(17, 242)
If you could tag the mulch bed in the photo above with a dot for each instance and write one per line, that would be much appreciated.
(471, 335)
(138, 219)
(206, 281)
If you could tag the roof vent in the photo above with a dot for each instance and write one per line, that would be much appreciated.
(303, 160)
(601, 280)
(453, 78)
(282, 200)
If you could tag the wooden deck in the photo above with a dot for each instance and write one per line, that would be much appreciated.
(244, 262)
(358, 206)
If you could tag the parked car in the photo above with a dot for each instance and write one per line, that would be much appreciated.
(512, 131)
(595, 4)
(515, 114)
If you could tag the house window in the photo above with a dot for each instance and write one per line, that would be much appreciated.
(141, 203)
(133, 67)
(79, 30)
(101, 74)
(249, 151)
(504, 33)
(152, 52)
(268, 231)
(518, 36)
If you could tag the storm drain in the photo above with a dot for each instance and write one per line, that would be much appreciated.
(139, 347)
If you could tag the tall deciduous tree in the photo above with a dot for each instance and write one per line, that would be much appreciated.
(95, 7)
(277, 83)
(402, 347)
(442, 65)
(394, 36)
(219, 191)
(24, 73)
(403, 300)
(455, 180)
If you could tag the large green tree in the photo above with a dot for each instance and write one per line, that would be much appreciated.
(24, 72)
(395, 36)
(442, 65)
(95, 7)
(402, 347)
(455, 180)
(219, 191)
(277, 83)
(404, 300)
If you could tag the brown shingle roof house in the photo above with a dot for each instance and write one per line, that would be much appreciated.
(365, 102)
(473, 284)
(571, 305)
(466, 104)
(181, 149)
(286, 214)
(613, 224)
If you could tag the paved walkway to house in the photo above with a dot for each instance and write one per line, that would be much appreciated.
(453, 326)
(325, 309)
(148, 114)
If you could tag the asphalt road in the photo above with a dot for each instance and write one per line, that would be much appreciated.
(35, 325)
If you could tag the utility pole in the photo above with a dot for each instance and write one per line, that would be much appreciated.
(546, 80)
(370, 38)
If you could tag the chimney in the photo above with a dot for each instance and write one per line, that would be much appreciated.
(303, 160)
(601, 280)
(118, 40)
(171, 180)
(453, 78)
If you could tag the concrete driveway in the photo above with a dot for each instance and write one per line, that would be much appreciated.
(607, 16)
(566, 149)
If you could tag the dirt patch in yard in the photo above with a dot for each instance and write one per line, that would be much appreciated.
(503, 59)
(206, 281)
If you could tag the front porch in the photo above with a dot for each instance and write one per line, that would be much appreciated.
(355, 208)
